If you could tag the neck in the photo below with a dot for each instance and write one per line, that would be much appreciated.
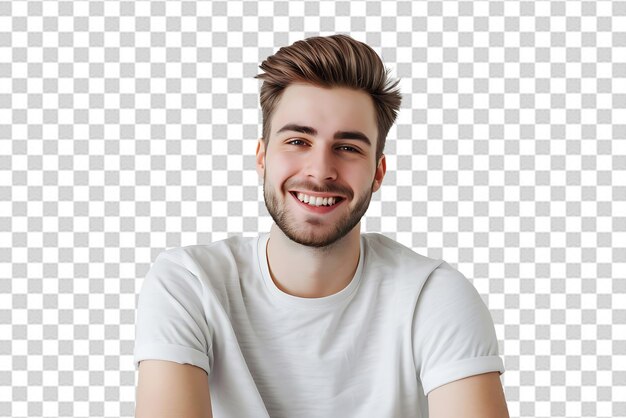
(311, 272)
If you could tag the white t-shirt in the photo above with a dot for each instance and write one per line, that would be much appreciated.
(405, 325)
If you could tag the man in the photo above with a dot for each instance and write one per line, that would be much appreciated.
(315, 319)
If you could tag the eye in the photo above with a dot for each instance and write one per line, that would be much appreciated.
(295, 140)
(348, 147)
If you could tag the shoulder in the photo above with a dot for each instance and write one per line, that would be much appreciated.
(384, 250)
(217, 256)
(447, 292)
(202, 267)
(434, 280)
(396, 264)
(198, 254)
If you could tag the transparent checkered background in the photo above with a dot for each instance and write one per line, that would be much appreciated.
(130, 127)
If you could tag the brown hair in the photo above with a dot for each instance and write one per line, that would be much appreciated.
(331, 61)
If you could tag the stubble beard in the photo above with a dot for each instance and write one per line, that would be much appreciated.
(291, 228)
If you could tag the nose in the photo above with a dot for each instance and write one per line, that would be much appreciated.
(321, 164)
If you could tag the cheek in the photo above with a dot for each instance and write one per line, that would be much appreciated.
(280, 168)
(359, 178)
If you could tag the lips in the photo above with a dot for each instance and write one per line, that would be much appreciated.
(317, 209)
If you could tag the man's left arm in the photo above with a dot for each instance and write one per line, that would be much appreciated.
(479, 396)
(456, 349)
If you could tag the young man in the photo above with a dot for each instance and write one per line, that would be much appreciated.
(315, 319)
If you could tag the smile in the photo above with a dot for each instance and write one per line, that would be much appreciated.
(317, 204)
(317, 201)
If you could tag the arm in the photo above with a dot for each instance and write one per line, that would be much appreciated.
(479, 396)
(169, 389)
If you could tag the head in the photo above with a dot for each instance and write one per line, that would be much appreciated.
(331, 61)
(327, 107)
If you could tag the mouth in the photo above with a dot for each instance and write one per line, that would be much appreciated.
(322, 208)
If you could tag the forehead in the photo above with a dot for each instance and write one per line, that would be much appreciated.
(326, 109)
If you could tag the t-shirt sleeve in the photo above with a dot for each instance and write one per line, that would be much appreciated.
(170, 321)
(453, 332)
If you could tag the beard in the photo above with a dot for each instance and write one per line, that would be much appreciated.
(320, 239)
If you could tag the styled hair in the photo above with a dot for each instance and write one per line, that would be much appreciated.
(331, 61)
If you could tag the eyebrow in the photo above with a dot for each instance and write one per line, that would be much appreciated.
(359, 136)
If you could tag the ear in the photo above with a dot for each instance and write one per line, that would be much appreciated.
(381, 169)
(260, 158)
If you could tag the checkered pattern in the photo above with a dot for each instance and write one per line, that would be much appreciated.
(130, 127)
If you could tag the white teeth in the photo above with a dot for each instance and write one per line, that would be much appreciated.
(317, 201)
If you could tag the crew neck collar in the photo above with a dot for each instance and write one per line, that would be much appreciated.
(286, 299)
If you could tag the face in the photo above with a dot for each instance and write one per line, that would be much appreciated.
(322, 145)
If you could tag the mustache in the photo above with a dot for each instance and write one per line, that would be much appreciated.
(322, 189)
